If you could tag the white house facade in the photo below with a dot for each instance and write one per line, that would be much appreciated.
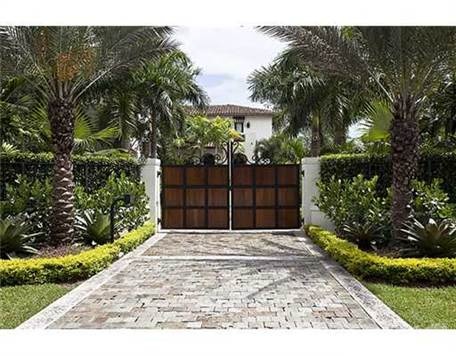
(253, 123)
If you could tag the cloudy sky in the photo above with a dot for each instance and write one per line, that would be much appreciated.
(227, 56)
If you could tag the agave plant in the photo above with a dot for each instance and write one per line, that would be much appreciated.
(365, 235)
(433, 239)
(15, 238)
(95, 227)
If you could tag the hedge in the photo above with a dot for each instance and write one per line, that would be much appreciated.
(429, 271)
(72, 267)
(431, 165)
(90, 171)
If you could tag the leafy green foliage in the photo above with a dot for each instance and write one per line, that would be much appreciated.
(95, 227)
(280, 148)
(30, 199)
(430, 201)
(15, 237)
(71, 267)
(432, 239)
(128, 217)
(432, 165)
(198, 134)
(370, 266)
(354, 203)
(364, 234)
(90, 170)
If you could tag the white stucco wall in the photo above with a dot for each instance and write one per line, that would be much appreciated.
(260, 128)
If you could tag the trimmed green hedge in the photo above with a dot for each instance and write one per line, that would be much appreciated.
(72, 267)
(369, 266)
(90, 171)
(431, 165)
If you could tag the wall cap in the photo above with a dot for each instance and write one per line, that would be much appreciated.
(310, 160)
(152, 162)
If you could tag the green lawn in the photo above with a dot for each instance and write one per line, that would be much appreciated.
(431, 308)
(19, 303)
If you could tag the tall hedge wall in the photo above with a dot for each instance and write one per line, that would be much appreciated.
(431, 165)
(91, 171)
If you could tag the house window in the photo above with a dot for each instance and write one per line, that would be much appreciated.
(239, 123)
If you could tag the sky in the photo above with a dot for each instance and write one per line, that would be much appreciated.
(227, 56)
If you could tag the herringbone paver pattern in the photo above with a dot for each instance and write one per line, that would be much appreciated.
(292, 291)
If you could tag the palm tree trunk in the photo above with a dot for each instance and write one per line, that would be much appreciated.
(125, 142)
(62, 119)
(315, 142)
(404, 151)
(153, 137)
(340, 136)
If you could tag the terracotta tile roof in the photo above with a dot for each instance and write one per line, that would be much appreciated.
(230, 110)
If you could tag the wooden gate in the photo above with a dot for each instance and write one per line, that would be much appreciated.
(265, 197)
(262, 197)
(195, 197)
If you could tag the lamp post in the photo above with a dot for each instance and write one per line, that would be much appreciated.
(127, 199)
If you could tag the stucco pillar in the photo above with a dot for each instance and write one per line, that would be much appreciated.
(150, 175)
(310, 212)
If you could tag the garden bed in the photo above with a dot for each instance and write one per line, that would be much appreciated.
(369, 266)
(72, 267)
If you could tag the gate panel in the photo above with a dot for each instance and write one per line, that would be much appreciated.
(265, 197)
(195, 197)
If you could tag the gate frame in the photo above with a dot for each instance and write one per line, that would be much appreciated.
(156, 208)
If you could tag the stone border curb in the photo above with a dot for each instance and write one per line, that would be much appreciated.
(374, 307)
(55, 310)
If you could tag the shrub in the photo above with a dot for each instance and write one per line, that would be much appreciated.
(355, 201)
(94, 226)
(432, 239)
(127, 217)
(31, 199)
(430, 201)
(432, 165)
(72, 267)
(359, 214)
(90, 171)
(15, 237)
(365, 234)
(391, 270)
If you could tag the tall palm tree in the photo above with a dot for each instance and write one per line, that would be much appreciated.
(164, 86)
(65, 63)
(307, 99)
(405, 63)
(115, 103)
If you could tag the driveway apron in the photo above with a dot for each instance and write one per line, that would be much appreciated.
(221, 280)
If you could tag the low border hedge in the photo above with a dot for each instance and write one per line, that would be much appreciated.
(392, 270)
(72, 267)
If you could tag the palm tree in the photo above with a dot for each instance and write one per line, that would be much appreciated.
(66, 62)
(115, 103)
(164, 86)
(404, 63)
(307, 99)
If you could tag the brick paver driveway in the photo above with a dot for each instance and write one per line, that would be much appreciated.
(226, 280)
